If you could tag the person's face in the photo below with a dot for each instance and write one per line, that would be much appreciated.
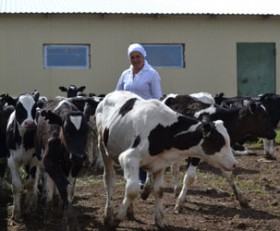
(136, 60)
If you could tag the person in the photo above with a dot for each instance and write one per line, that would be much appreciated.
(142, 79)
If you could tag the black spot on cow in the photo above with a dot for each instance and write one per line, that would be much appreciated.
(213, 142)
(21, 113)
(192, 161)
(163, 138)
(128, 105)
(106, 136)
(28, 138)
(185, 104)
(13, 137)
(136, 142)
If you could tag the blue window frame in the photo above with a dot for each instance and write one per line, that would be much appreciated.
(165, 55)
(66, 56)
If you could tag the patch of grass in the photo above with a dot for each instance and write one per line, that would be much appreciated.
(254, 186)
(277, 139)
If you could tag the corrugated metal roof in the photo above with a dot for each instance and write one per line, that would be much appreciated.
(251, 7)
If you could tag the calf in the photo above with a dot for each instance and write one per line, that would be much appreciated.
(272, 105)
(138, 133)
(20, 134)
(270, 101)
(88, 106)
(62, 139)
(239, 122)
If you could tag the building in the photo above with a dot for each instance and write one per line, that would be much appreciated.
(220, 47)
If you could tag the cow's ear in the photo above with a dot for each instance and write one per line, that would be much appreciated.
(206, 129)
(36, 95)
(10, 100)
(64, 89)
(82, 88)
(51, 117)
(170, 101)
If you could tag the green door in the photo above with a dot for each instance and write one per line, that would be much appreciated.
(255, 68)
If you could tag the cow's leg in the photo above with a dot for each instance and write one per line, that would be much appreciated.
(158, 181)
(109, 176)
(53, 168)
(268, 146)
(60, 181)
(16, 187)
(130, 166)
(76, 169)
(31, 185)
(187, 182)
(230, 178)
(175, 170)
(49, 188)
(147, 187)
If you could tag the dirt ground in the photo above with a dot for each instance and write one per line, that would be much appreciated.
(210, 203)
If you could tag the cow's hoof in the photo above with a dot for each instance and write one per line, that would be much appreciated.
(162, 228)
(16, 219)
(15, 214)
(270, 157)
(178, 209)
(130, 213)
(111, 224)
(244, 204)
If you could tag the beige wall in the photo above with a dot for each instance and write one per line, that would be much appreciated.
(210, 49)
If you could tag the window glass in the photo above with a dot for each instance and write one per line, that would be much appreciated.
(66, 56)
(165, 55)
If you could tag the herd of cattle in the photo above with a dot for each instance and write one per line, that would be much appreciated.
(53, 139)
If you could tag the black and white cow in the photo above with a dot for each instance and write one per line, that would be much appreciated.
(20, 134)
(239, 123)
(61, 141)
(271, 102)
(87, 105)
(272, 105)
(146, 133)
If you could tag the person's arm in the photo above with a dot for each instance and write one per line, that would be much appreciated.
(156, 86)
(120, 83)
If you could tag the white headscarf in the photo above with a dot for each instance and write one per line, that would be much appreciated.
(136, 47)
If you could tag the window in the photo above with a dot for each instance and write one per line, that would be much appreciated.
(165, 55)
(66, 56)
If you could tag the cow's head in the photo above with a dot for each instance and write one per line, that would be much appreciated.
(258, 119)
(7, 99)
(74, 132)
(216, 145)
(73, 90)
(87, 105)
(25, 111)
(271, 102)
(90, 107)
